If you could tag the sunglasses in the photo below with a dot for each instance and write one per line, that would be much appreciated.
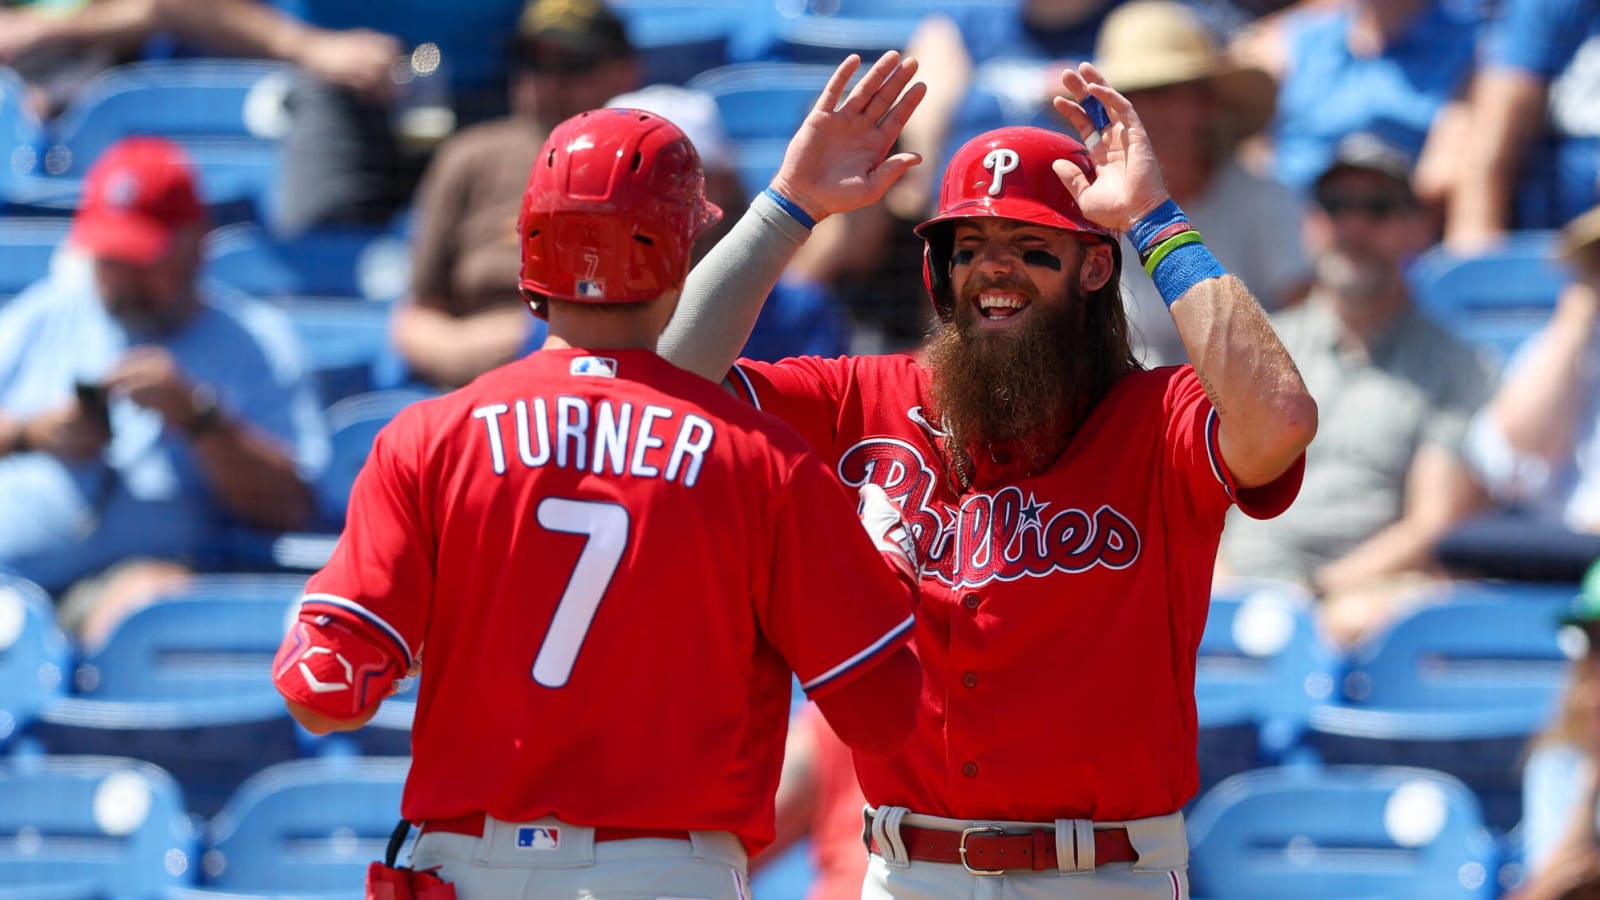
(1372, 206)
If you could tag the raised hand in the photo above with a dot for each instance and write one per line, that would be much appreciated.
(1127, 183)
(838, 160)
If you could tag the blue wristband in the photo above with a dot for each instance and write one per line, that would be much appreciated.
(1183, 268)
(790, 207)
(1158, 224)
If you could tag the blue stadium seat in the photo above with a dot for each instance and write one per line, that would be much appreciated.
(102, 827)
(228, 114)
(343, 340)
(1368, 832)
(1494, 300)
(825, 40)
(1261, 670)
(763, 99)
(34, 654)
(353, 424)
(22, 141)
(186, 683)
(28, 246)
(302, 829)
(676, 41)
(343, 263)
(1458, 684)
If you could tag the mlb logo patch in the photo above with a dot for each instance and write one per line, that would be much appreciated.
(598, 366)
(539, 838)
(593, 290)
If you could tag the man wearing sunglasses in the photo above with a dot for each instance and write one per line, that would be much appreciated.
(1384, 477)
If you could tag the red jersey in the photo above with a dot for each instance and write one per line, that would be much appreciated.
(1060, 613)
(609, 568)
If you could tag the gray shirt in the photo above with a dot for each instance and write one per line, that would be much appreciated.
(1420, 385)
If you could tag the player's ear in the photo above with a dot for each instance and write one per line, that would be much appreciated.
(1098, 264)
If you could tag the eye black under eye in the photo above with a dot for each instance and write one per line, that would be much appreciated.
(962, 257)
(1042, 259)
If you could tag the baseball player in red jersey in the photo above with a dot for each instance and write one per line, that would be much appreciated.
(1067, 503)
(607, 569)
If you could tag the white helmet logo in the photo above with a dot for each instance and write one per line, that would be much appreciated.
(1001, 160)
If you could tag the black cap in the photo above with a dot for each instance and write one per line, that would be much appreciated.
(1370, 151)
(581, 32)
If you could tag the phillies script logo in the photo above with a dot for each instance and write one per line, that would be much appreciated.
(1001, 536)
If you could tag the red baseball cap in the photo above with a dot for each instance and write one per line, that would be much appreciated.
(137, 195)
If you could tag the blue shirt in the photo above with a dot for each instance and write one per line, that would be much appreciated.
(1558, 43)
(1549, 789)
(146, 495)
(800, 318)
(1328, 93)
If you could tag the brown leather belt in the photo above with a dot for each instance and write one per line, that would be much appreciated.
(989, 850)
(471, 825)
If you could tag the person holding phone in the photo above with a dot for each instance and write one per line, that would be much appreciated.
(140, 407)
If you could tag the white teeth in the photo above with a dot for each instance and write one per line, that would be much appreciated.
(1001, 301)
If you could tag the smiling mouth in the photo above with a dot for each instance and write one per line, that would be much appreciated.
(997, 306)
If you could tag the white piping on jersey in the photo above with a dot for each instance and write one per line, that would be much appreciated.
(366, 614)
(749, 389)
(1212, 451)
(865, 654)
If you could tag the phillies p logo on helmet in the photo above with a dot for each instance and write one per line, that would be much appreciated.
(1000, 161)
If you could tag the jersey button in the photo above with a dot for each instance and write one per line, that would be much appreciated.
(970, 770)
(970, 680)
(971, 601)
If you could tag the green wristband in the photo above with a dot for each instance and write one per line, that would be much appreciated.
(1167, 246)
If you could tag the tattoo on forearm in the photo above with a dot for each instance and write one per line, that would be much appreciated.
(1211, 391)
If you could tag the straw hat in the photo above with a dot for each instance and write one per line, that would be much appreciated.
(1155, 43)
(1580, 234)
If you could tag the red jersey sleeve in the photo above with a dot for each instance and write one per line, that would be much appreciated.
(805, 392)
(1192, 428)
(834, 609)
(380, 577)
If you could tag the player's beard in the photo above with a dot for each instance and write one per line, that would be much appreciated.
(1022, 385)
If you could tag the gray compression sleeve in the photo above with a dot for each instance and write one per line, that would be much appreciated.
(724, 293)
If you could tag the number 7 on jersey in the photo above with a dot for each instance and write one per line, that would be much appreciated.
(605, 525)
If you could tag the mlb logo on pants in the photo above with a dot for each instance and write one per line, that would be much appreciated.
(539, 838)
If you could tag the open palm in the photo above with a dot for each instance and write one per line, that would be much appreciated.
(1127, 183)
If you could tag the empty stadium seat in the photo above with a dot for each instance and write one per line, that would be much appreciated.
(302, 828)
(186, 683)
(228, 114)
(763, 99)
(28, 248)
(825, 40)
(1495, 299)
(344, 340)
(92, 827)
(1370, 832)
(1261, 670)
(677, 40)
(22, 140)
(343, 263)
(1458, 684)
(34, 654)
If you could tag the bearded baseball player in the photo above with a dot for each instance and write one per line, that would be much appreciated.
(612, 569)
(1067, 504)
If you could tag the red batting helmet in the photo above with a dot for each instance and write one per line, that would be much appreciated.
(613, 205)
(1003, 174)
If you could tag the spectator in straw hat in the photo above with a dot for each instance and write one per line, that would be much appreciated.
(1197, 106)
(1536, 445)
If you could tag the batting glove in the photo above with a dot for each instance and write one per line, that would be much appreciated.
(889, 533)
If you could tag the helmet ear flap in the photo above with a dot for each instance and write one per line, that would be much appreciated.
(936, 273)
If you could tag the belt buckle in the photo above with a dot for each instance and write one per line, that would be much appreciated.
(962, 847)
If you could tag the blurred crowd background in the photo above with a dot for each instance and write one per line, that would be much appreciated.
(236, 237)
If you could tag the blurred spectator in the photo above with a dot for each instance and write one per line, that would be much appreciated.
(1395, 391)
(1561, 782)
(465, 315)
(1395, 67)
(1197, 106)
(1536, 446)
(819, 798)
(976, 56)
(141, 408)
(1533, 158)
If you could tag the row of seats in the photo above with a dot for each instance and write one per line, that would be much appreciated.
(114, 827)
(1457, 685)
